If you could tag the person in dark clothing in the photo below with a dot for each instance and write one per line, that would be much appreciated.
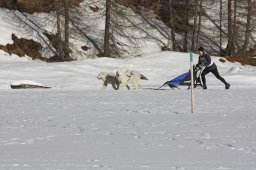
(204, 60)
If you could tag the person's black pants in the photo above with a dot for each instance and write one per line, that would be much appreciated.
(213, 69)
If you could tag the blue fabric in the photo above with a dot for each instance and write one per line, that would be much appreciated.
(176, 81)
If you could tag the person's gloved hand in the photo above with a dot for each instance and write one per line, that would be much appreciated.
(199, 67)
(196, 68)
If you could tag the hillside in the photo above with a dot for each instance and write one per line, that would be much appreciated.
(86, 41)
(29, 29)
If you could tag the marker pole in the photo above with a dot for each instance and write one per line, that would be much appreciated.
(192, 83)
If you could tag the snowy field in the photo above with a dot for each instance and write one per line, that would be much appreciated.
(76, 126)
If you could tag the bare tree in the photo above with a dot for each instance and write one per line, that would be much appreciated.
(59, 45)
(172, 25)
(61, 40)
(107, 29)
(248, 26)
(32, 26)
(229, 47)
(66, 11)
(185, 39)
(199, 22)
(234, 37)
(221, 8)
(120, 37)
(193, 41)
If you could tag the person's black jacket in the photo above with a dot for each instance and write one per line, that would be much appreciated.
(204, 60)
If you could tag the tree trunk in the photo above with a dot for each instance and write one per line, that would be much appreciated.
(66, 49)
(199, 23)
(233, 52)
(107, 30)
(195, 26)
(230, 34)
(248, 26)
(185, 40)
(172, 25)
(59, 37)
(221, 28)
(158, 6)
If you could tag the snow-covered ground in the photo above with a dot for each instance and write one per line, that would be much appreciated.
(76, 126)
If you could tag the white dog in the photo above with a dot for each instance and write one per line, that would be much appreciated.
(129, 77)
(108, 78)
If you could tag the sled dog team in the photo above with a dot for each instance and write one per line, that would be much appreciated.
(121, 79)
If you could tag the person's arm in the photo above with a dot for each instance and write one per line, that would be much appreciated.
(199, 62)
(208, 60)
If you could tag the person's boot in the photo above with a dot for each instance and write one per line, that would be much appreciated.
(204, 87)
(227, 86)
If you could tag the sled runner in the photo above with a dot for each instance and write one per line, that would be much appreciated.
(184, 79)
